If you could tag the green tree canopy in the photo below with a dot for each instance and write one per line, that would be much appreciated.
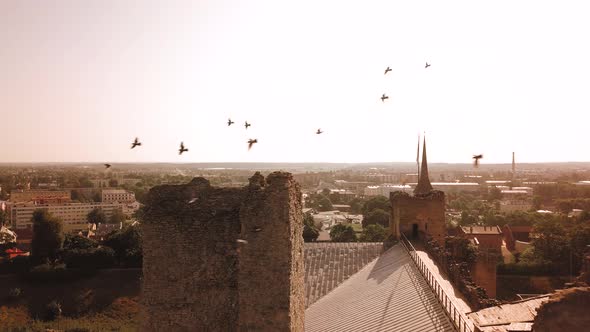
(373, 233)
(310, 231)
(324, 203)
(378, 202)
(96, 216)
(342, 233)
(77, 242)
(356, 205)
(550, 242)
(47, 235)
(377, 217)
(117, 217)
(494, 194)
(3, 218)
(127, 245)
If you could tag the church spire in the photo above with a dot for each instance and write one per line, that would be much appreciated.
(423, 186)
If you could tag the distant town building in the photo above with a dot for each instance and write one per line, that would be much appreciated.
(40, 196)
(73, 215)
(488, 240)
(386, 189)
(484, 237)
(117, 196)
(100, 183)
(514, 234)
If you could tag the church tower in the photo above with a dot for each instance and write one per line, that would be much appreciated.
(423, 187)
(421, 216)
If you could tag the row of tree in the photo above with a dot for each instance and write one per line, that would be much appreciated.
(49, 244)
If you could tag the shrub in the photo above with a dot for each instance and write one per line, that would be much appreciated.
(93, 258)
(373, 233)
(342, 233)
(14, 293)
(18, 264)
(53, 310)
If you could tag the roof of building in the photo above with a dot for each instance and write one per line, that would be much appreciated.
(513, 191)
(328, 264)
(520, 229)
(115, 191)
(502, 318)
(481, 229)
(389, 294)
(467, 184)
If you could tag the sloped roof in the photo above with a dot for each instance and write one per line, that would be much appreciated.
(474, 229)
(389, 294)
(328, 264)
(502, 317)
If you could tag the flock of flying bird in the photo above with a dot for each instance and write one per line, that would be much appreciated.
(251, 141)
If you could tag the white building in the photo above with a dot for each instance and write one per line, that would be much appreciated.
(386, 189)
(73, 215)
(450, 187)
(117, 196)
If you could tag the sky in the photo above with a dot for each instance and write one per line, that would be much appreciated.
(79, 80)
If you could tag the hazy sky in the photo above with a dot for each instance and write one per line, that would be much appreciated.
(80, 79)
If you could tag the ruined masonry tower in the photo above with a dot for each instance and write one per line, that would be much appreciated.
(197, 276)
(421, 215)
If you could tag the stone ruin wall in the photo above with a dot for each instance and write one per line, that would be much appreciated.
(428, 209)
(198, 277)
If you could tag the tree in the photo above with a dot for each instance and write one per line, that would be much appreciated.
(342, 233)
(96, 197)
(77, 242)
(310, 231)
(379, 202)
(96, 216)
(3, 218)
(47, 235)
(494, 194)
(127, 245)
(550, 243)
(356, 205)
(377, 217)
(117, 217)
(113, 183)
(324, 203)
(373, 233)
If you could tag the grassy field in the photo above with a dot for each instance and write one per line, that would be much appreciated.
(107, 301)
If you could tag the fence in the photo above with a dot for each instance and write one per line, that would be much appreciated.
(454, 315)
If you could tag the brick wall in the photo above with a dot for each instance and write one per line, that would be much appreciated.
(427, 212)
(198, 277)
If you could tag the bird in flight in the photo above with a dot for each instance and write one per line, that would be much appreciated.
(384, 97)
(247, 125)
(251, 142)
(427, 65)
(229, 122)
(182, 148)
(135, 143)
(107, 166)
(319, 131)
(476, 159)
(387, 70)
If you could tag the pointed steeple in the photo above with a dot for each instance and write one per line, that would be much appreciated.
(423, 186)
